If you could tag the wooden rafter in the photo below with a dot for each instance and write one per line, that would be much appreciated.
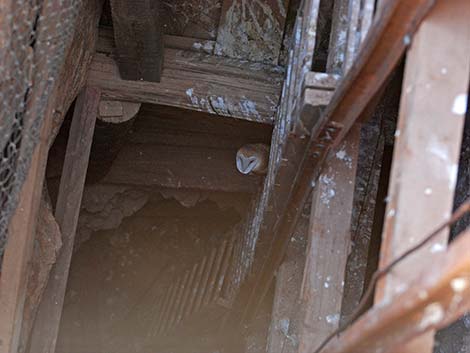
(332, 203)
(46, 325)
(382, 49)
(197, 81)
(329, 245)
(22, 228)
(427, 146)
(438, 296)
(139, 39)
(187, 167)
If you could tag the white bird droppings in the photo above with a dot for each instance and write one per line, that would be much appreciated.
(459, 107)
(437, 248)
(332, 319)
(433, 314)
(459, 284)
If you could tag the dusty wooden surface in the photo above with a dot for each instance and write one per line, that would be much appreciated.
(439, 295)
(196, 81)
(425, 161)
(358, 90)
(169, 147)
(18, 252)
(70, 79)
(329, 244)
(180, 167)
(46, 326)
(287, 312)
(139, 39)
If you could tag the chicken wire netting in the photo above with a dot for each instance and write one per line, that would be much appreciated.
(33, 37)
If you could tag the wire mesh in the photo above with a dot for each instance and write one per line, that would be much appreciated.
(33, 39)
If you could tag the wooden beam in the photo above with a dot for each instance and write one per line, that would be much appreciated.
(381, 51)
(19, 248)
(251, 30)
(329, 244)
(437, 296)
(351, 22)
(189, 167)
(332, 203)
(287, 311)
(191, 80)
(139, 39)
(105, 43)
(425, 161)
(46, 326)
(15, 266)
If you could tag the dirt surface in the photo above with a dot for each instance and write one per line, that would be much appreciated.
(117, 274)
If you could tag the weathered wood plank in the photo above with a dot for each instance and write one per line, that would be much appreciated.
(195, 81)
(15, 267)
(355, 94)
(177, 127)
(329, 244)
(426, 154)
(46, 327)
(287, 312)
(439, 295)
(138, 36)
(251, 29)
(180, 167)
(19, 248)
(105, 43)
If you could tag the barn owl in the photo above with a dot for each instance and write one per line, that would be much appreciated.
(253, 158)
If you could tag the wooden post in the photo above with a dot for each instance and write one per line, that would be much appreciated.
(352, 98)
(332, 203)
(437, 296)
(139, 39)
(46, 326)
(19, 249)
(329, 244)
(427, 147)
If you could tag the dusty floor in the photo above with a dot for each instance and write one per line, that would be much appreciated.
(117, 275)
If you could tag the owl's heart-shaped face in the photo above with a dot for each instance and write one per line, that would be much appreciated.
(246, 164)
